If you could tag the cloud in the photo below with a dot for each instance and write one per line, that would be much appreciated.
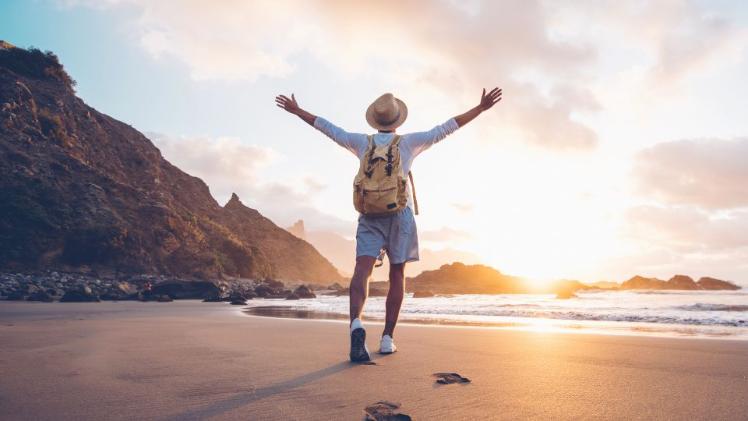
(445, 235)
(463, 207)
(678, 37)
(689, 229)
(220, 160)
(710, 173)
(229, 165)
(445, 45)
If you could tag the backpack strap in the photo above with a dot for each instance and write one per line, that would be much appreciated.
(413, 187)
(395, 142)
(369, 156)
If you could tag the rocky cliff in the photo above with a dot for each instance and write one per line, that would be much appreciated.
(80, 190)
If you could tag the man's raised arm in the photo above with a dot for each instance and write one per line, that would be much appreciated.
(486, 101)
(420, 141)
(290, 105)
(354, 142)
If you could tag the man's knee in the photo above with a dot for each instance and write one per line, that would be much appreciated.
(364, 266)
(397, 272)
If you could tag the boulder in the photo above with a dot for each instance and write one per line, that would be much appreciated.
(237, 296)
(40, 295)
(293, 296)
(272, 283)
(125, 288)
(264, 291)
(304, 291)
(213, 298)
(182, 290)
(115, 295)
(16, 295)
(81, 295)
(238, 302)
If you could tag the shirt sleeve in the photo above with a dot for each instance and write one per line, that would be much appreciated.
(354, 142)
(420, 141)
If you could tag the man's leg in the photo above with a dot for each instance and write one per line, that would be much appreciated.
(394, 297)
(359, 288)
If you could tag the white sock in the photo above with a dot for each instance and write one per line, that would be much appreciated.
(356, 323)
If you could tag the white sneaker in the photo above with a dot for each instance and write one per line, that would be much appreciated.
(387, 345)
(359, 352)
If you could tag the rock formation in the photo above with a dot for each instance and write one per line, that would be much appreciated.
(82, 191)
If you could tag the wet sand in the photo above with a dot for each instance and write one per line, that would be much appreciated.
(191, 360)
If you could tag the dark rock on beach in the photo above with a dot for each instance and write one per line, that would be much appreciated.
(81, 295)
(270, 288)
(385, 411)
(449, 378)
(238, 301)
(16, 296)
(304, 291)
(42, 296)
(179, 289)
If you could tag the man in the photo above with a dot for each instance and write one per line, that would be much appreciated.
(395, 233)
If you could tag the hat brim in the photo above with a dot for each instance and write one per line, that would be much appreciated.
(401, 118)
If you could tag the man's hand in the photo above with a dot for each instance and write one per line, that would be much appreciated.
(288, 104)
(488, 101)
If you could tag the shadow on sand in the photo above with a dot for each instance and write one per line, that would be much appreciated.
(246, 398)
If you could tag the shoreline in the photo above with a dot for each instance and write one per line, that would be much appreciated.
(562, 326)
(194, 360)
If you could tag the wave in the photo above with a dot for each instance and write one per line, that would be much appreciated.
(713, 307)
(618, 317)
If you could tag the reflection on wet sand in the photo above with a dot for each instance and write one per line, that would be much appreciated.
(531, 324)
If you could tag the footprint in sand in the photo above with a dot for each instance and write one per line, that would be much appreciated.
(449, 378)
(385, 411)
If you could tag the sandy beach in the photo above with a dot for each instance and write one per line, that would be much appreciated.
(192, 360)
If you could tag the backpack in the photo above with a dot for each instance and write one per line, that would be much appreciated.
(380, 187)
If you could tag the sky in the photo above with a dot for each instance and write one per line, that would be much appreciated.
(620, 146)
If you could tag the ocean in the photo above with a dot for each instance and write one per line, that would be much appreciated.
(703, 314)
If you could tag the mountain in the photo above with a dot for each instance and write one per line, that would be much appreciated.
(678, 282)
(82, 191)
(458, 278)
(715, 284)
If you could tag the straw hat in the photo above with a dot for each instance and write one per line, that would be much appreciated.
(386, 112)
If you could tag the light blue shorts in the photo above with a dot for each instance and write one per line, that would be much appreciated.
(396, 234)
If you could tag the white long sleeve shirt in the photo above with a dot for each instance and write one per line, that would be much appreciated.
(411, 144)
